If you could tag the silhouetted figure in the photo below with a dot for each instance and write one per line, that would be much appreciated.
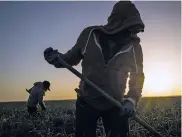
(36, 96)
(108, 53)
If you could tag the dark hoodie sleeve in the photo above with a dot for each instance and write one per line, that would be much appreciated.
(74, 55)
(136, 74)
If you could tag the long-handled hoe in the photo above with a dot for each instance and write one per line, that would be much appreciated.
(135, 117)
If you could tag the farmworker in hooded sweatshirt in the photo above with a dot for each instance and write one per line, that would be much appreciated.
(109, 53)
(36, 96)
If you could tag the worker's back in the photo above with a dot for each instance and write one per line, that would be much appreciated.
(36, 95)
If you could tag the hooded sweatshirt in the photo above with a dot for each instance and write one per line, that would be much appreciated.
(36, 94)
(110, 68)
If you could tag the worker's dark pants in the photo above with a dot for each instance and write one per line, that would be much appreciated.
(87, 116)
(32, 110)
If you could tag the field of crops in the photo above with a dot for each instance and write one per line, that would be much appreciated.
(164, 114)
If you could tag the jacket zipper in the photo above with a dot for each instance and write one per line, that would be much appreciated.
(121, 52)
(106, 65)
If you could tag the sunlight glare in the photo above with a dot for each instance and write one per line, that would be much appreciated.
(158, 80)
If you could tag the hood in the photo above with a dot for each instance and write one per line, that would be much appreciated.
(124, 16)
(38, 84)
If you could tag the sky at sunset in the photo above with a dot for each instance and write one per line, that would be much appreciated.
(28, 28)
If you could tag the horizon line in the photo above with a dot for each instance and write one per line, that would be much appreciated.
(75, 98)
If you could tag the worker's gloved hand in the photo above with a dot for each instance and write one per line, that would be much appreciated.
(128, 108)
(51, 56)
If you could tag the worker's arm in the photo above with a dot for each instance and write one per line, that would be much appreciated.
(73, 56)
(136, 75)
(40, 100)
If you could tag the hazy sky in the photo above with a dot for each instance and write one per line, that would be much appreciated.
(28, 28)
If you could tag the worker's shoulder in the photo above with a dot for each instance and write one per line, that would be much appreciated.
(37, 89)
(89, 29)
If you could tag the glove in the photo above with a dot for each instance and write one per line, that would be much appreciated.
(50, 56)
(128, 108)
